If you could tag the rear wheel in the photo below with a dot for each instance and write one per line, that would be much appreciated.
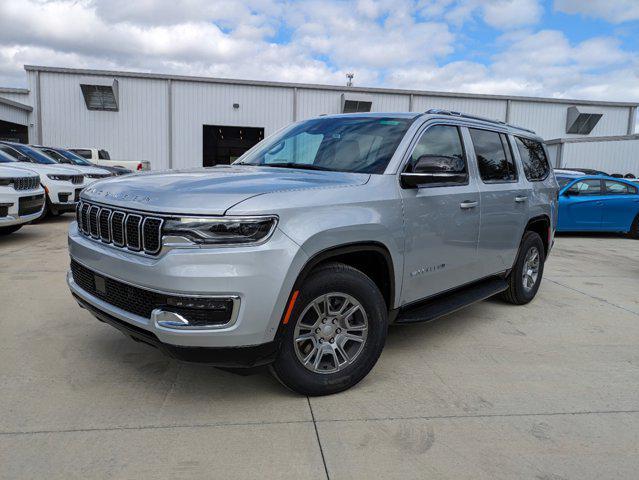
(525, 277)
(11, 229)
(634, 230)
(336, 332)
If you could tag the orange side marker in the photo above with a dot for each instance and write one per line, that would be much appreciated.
(291, 304)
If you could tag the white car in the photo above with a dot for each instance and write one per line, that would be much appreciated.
(21, 197)
(100, 156)
(62, 185)
(90, 172)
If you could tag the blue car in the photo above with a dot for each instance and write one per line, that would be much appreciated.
(597, 203)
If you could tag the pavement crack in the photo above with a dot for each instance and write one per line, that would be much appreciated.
(319, 442)
(593, 296)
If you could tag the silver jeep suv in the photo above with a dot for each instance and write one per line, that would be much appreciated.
(301, 253)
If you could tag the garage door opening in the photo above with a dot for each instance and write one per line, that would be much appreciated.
(13, 132)
(222, 145)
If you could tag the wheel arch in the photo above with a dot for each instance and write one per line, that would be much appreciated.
(540, 224)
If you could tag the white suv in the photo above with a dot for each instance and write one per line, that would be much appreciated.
(62, 185)
(21, 198)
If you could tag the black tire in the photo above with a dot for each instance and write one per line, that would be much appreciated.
(516, 293)
(341, 279)
(11, 229)
(634, 230)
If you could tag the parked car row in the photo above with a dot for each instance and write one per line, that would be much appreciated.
(101, 157)
(37, 180)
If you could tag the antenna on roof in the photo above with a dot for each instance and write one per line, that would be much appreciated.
(349, 81)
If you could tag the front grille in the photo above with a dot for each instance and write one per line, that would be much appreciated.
(26, 183)
(141, 302)
(136, 232)
(30, 205)
(77, 179)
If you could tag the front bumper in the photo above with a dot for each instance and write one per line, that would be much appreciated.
(11, 201)
(231, 357)
(63, 196)
(260, 277)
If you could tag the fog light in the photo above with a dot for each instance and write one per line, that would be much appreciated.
(4, 209)
(63, 197)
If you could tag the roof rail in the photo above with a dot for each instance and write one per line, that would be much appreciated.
(439, 111)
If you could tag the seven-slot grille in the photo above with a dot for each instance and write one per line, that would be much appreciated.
(136, 232)
(77, 179)
(26, 183)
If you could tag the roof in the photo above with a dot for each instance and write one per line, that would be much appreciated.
(11, 103)
(24, 91)
(344, 89)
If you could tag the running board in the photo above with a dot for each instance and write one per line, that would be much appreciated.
(452, 301)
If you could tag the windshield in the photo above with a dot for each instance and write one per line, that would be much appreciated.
(73, 158)
(6, 158)
(344, 144)
(34, 155)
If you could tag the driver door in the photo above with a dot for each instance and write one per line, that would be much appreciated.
(441, 220)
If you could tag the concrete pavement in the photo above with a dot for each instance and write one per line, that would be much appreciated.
(545, 391)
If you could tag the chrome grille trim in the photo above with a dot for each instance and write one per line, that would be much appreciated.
(77, 179)
(109, 225)
(105, 236)
(94, 225)
(26, 183)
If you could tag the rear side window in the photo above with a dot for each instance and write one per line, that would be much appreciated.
(494, 157)
(83, 153)
(534, 159)
(103, 155)
(619, 188)
(586, 187)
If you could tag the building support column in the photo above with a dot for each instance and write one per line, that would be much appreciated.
(411, 99)
(295, 104)
(632, 119)
(39, 109)
(560, 154)
(508, 106)
(169, 109)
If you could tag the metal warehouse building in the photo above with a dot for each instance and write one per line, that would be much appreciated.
(180, 121)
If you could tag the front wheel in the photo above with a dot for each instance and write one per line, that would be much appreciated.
(634, 229)
(525, 277)
(336, 332)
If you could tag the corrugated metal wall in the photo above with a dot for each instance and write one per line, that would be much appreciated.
(17, 97)
(137, 131)
(196, 104)
(549, 119)
(12, 114)
(611, 156)
(140, 129)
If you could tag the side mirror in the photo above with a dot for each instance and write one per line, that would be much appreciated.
(435, 170)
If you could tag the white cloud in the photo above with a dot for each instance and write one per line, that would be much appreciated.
(615, 11)
(392, 43)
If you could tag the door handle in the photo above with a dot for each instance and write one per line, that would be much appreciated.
(521, 199)
(468, 204)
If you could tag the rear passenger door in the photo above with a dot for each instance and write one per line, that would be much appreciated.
(620, 205)
(441, 221)
(504, 200)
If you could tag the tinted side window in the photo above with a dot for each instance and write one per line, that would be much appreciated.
(493, 154)
(10, 151)
(82, 153)
(103, 155)
(619, 188)
(586, 187)
(439, 141)
(533, 158)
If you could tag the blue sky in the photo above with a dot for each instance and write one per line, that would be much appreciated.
(559, 48)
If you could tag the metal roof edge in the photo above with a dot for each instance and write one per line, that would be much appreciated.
(609, 138)
(19, 105)
(262, 83)
(14, 90)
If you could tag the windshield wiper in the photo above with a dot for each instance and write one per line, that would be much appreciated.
(301, 166)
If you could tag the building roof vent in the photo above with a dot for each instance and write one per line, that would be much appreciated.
(356, 104)
(101, 97)
(581, 123)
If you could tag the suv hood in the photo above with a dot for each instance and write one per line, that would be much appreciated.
(210, 191)
(87, 169)
(43, 169)
(7, 171)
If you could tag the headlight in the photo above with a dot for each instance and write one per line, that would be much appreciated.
(222, 230)
(97, 175)
(60, 178)
(5, 182)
